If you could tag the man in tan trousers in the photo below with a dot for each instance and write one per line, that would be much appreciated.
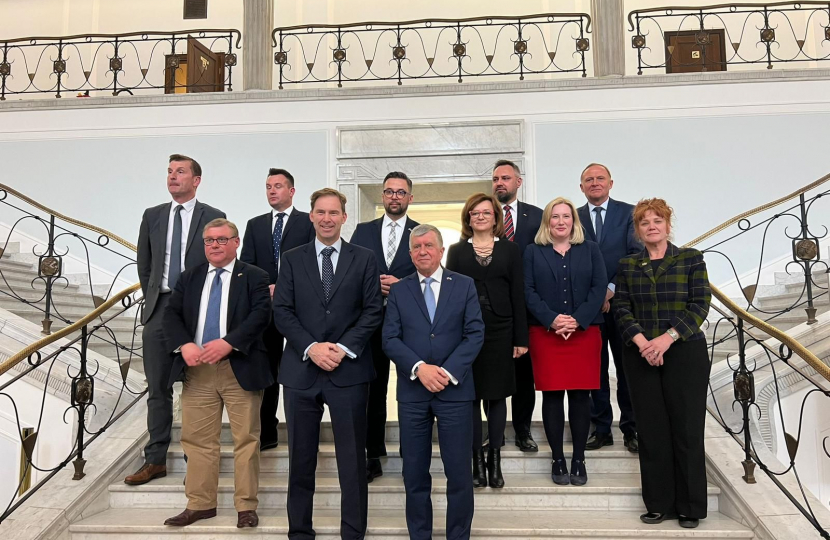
(213, 325)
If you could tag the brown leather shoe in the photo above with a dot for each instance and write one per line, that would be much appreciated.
(147, 472)
(247, 518)
(190, 516)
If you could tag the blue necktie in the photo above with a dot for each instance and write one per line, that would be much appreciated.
(278, 238)
(214, 308)
(328, 271)
(175, 250)
(429, 298)
(598, 224)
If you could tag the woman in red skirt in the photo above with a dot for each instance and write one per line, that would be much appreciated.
(565, 284)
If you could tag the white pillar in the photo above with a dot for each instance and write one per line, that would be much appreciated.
(608, 37)
(257, 54)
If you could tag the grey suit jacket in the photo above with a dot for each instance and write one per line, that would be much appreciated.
(152, 244)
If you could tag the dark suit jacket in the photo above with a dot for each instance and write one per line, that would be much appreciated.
(618, 239)
(452, 341)
(368, 235)
(152, 244)
(258, 245)
(501, 281)
(588, 284)
(352, 313)
(528, 220)
(248, 313)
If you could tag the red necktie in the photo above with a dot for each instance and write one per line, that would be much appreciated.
(509, 231)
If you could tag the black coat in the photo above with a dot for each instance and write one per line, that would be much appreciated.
(368, 235)
(258, 244)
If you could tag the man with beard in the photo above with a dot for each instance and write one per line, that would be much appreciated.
(388, 238)
(521, 223)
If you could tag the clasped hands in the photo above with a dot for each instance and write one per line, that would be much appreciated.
(326, 355)
(432, 377)
(653, 350)
(564, 325)
(211, 353)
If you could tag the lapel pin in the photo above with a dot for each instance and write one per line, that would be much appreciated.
(239, 274)
(644, 263)
(449, 278)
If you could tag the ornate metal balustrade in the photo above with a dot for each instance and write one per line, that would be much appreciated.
(115, 63)
(765, 33)
(551, 43)
(762, 357)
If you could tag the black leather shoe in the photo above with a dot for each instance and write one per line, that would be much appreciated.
(579, 476)
(479, 469)
(526, 443)
(687, 522)
(494, 476)
(631, 443)
(268, 445)
(653, 518)
(559, 472)
(373, 469)
(598, 440)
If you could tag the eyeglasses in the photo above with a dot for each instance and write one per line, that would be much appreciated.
(222, 241)
(485, 214)
(391, 193)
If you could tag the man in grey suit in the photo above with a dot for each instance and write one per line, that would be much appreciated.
(169, 241)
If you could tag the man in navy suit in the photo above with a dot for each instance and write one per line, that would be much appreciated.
(433, 332)
(610, 224)
(388, 238)
(521, 223)
(327, 304)
(267, 237)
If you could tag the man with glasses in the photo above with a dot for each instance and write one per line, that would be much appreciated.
(168, 243)
(388, 238)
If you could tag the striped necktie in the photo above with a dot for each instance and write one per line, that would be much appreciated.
(509, 229)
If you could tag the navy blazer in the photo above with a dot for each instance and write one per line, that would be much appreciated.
(588, 284)
(258, 245)
(452, 341)
(351, 315)
(368, 235)
(248, 315)
(528, 219)
(618, 240)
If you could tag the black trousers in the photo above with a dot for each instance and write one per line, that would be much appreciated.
(157, 365)
(670, 404)
(303, 414)
(524, 400)
(271, 397)
(376, 413)
(601, 412)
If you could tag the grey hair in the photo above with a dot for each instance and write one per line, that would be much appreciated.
(423, 229)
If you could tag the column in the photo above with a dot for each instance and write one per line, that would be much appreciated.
(608, 37)
(257, 54)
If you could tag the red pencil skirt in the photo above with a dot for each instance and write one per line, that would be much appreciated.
(565, 364)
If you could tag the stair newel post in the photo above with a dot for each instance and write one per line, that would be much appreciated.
(804, 251)
(82, 392)
(743, 381)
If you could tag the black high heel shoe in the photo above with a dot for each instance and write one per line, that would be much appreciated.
(479, 469)
(494, 468)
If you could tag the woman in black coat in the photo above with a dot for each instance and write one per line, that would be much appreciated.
(496, 266)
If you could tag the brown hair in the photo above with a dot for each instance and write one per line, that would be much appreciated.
(328, 192)
(594, 165)
(195, 168)
(474, 200)
(543, 236)
(659, 207)
(221, 222)
(503, 162)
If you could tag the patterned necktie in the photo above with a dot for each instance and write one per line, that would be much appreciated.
(278, 238)
(214, 308)
(429, 298)
(598, 223)
(390, 245)
(509, 230)
(175, 250)
(328, 271)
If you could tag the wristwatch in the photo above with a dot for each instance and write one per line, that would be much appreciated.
(673, 334)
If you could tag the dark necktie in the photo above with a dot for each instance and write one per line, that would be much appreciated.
(175, 250)
(328, 271)
(598, 222)
(214, 309)
(509, 229)
(278, 238)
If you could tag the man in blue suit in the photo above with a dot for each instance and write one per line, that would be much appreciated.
(388, 238)
(610, 224)
(433, 347)
(327, 304)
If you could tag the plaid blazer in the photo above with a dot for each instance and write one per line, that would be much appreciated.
(676, 295)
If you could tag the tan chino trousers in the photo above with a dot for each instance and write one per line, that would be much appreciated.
(207, 389)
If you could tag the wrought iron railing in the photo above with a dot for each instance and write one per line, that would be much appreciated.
(711, 38)
(116, 63)
(551, 43)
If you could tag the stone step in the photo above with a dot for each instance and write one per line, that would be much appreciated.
(123, 322)
(147, 524)
(60, 302)
(18, 270)
(528, 491)
(610, 459)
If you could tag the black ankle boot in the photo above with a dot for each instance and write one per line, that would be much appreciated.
(494, 468)
(479, 469)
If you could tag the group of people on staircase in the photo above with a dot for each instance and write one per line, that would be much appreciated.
(529, 300)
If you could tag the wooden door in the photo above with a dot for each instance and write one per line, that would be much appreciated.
(203, 68)
(695, 50)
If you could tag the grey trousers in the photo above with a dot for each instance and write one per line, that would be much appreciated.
(157, 364)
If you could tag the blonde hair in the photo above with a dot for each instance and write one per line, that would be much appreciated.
(544, 238)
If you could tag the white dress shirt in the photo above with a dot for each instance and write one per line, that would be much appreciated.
(203, 303)
(437, 276)
(187, 216)
(274, 218)
(386, 230)
(513, 210)
(604, 212)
